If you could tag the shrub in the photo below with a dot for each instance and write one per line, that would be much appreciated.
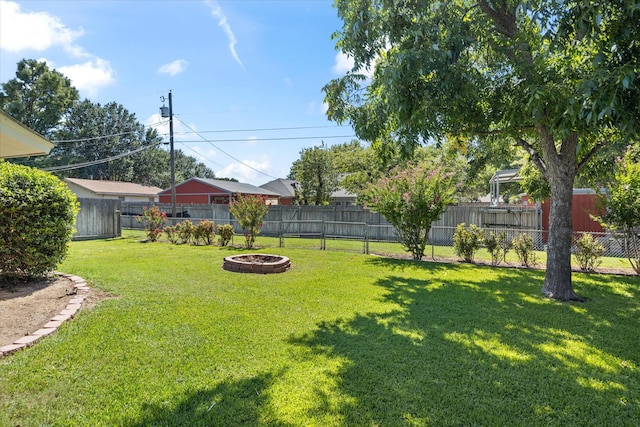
(506, 245)
(185, 231)
(249, 211)
(37, 215)
(153, 219)
(496, 247)
(411, 199)
(172, 233)
(588, 252)
(225, 233)
(523, 247)
(204, 232)
(467, 241)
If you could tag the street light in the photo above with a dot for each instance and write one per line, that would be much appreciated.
(168, 112)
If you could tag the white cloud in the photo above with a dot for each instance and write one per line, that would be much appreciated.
(39, 31)
(216, 12)
(244, 173)
(315, 108)
(172, 68)
(90, 76)
(345, 63)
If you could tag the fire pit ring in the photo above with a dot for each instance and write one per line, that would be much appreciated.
(256, 263)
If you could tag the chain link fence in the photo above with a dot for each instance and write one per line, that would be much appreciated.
(316, 234)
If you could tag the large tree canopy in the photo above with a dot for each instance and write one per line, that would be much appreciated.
(558, 78)
(38, 96)
(93, 133)
(316, 174)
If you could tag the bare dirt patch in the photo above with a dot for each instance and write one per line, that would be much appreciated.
(28, 306)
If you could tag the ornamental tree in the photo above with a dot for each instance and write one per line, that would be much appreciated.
(623, 205)
(153, 219)
(249, 211)
(558, 78)
(411, 199)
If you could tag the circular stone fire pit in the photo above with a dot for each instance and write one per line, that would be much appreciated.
(257, 263)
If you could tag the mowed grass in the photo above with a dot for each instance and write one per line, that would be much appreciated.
(340, 339)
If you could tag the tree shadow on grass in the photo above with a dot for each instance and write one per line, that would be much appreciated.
(242, 402)
(478, 346)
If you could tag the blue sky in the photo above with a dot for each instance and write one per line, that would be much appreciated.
(244, 74)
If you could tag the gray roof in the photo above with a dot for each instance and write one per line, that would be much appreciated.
(235, 187)
(114, 187)
(284, 187)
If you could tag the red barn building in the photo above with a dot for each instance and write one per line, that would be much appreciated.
(585, 203)
(214, 191)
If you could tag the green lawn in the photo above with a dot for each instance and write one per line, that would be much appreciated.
(341, 339)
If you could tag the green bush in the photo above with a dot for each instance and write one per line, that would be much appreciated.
(467, 241)
(588, 252)
(226, 233)
(171, 232)
(37, 215)
(498, 246)
(523, 247)
(186, 230)
(204, 232)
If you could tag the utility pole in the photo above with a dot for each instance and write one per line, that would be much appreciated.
(173, 162)
(164, 113)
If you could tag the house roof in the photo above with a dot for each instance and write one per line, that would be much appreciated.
(231, 187)
(114, 187)
(284, 187)
(17, 140)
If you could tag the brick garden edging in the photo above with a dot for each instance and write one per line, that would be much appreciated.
(71, 309)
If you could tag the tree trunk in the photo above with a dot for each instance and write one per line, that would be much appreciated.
(557, 282)
(561, 170)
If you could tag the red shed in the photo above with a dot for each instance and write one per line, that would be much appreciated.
(214, 191)
(585, 203)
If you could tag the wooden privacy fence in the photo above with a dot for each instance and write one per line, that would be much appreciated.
(322, 223)
(97, 219)
(483, 216)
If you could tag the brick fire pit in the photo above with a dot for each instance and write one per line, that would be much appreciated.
(256, 263)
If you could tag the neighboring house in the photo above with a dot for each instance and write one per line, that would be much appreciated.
(342, 198)
(123, 191)
(215, 192)
(17, 140)
(286, 188)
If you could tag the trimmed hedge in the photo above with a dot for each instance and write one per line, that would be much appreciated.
(37, 215)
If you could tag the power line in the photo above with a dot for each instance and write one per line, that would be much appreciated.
(155, 125)
(264, 129)
(270, 139)
(227, 154)
(97, 162)
(92, 138)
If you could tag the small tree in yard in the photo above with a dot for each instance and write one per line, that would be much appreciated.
(411, 199)
(204, 232)
(588, 252)
(623, 205)
(467, 241)
(153, 219)
(249, 211)
(37, 214)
